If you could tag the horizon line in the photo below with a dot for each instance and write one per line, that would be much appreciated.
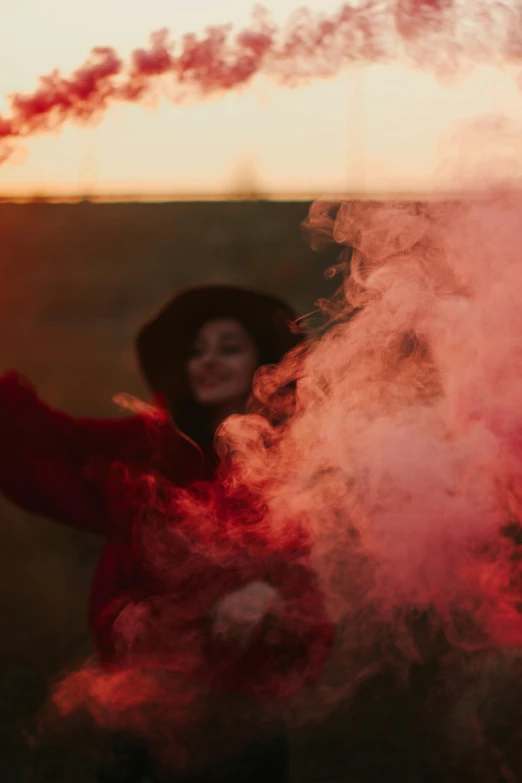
(100, 198)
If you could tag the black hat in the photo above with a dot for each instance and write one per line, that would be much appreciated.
(163, 343)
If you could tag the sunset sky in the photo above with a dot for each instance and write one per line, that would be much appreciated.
(369, 129)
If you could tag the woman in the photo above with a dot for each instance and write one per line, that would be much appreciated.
(199, 356)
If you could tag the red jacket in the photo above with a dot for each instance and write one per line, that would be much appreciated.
(96, 475)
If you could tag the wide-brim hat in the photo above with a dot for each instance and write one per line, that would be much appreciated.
(165, 341)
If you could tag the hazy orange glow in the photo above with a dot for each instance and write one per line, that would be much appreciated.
(371, 129)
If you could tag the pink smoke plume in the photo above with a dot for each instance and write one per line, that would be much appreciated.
(444, 35)
(402, 461)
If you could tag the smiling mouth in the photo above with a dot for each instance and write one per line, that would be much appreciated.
(210, 382)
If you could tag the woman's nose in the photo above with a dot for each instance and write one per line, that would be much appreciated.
(209, 358)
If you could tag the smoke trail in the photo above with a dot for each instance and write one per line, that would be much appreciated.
(446, 36)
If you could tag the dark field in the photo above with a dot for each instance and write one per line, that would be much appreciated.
(76, 282)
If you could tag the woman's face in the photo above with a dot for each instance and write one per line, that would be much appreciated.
(222, 364)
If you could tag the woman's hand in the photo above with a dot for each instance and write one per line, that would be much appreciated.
(238, 614)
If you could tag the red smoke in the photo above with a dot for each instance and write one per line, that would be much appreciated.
(403, 464)
(403, 459)
(440, 34)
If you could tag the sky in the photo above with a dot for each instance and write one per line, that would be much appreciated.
(371, 129)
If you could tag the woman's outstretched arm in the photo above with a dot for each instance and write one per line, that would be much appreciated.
(45, 455)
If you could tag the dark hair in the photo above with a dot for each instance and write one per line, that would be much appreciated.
(164, 344)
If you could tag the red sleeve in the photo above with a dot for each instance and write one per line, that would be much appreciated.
(45, 453)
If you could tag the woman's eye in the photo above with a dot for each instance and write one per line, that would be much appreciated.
(229, 350)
